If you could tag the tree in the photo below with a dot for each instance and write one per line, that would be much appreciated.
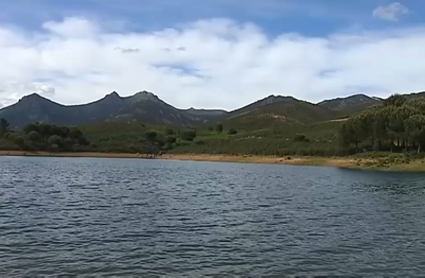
(210, 129)
(55, 141)
(33, 140)
(348, 135)
(64, 131)
(4, 127)
(219, 128)
(45, 130)
(151, 136)
(188, 135)
(418, 103)
(395, 100)
(401, 115)
(171, 139)
(75, 133)
(33, 136)
(19, 140)
(380, 126)
(299, 138)
(169, 131)
(31, 127)
(232, 131)
(415, 129)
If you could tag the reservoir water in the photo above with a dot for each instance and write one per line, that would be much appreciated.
(149, 218)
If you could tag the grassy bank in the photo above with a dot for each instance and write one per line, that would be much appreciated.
(370, 161)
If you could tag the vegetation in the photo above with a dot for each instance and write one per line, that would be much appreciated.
(219, 128)
(232, 131)
(129, 137)
(4, 127)
(318, 139)
(133, 137)
(188, 135)
(397, 126)
(44, 137)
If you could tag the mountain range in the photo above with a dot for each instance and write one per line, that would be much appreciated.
(148, 108)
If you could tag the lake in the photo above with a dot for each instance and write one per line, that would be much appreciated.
(124, 217)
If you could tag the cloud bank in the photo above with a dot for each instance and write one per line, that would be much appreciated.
(207, 64)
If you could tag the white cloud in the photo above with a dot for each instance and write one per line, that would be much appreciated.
(392, 12)
(224, 64)
(72, 27)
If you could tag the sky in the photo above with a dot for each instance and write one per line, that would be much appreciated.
(210, 53)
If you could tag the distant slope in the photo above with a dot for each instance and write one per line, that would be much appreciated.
(350, 105)
(203, 115)
(277, 110)
(143, 106)
(206, 112)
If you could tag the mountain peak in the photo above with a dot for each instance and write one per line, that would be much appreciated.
(33, 97)
(273, 99)
(144, 93)
(144, 96)
(114, 94)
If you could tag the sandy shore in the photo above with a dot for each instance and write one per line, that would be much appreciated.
(318, 161)
(345, 162)
(334, 162)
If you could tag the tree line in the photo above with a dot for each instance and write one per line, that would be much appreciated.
(398, 125)
(45, 137)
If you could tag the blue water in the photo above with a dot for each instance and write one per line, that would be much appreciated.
(123, 217)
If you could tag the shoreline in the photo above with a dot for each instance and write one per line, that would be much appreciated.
(336, 162)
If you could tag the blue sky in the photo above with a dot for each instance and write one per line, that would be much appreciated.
(309, 17)
(210, 53)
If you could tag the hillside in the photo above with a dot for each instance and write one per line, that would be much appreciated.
(206, 114)
(277, 110)
(143, 106)
(350, 105)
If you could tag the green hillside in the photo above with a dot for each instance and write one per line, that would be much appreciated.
(125, 137)
(319, 138)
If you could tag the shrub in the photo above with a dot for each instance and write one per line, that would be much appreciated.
(19, 141)
(55, 140)
(199, 142)
(188, 135)
(300, 138)
(33, 136)
(232, 131)
(219, 128)
(151, 135)
(171, 139)
(169, 131)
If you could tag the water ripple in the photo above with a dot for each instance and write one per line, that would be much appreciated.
(118, 217)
